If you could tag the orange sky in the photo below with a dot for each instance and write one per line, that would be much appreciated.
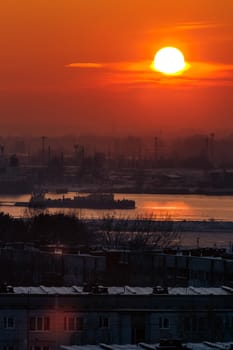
(116, 90)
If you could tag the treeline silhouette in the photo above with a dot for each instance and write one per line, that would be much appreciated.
(44, 229)
(68, 229)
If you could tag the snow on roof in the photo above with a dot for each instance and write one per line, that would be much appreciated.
(100, 347)
(190, 346)
(78, 347)
(208, 346)
(200, 291)
(125, 290)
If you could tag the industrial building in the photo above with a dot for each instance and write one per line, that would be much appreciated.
(28, 265)
(174, 268)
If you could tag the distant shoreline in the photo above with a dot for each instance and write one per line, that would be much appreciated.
(165, 191)
(133, 190)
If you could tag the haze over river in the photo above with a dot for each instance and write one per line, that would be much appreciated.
(174, 207)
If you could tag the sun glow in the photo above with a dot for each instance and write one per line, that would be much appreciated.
(169, 61)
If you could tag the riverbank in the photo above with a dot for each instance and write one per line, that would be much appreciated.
(163, 225)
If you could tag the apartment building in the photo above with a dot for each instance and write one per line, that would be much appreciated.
(43, 318)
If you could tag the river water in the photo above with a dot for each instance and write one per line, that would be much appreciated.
(174, 207)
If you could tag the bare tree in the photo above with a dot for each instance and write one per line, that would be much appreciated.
(139, 233)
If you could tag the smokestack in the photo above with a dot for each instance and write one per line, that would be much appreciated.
(43, 138)
(156, 149)
(212, 136)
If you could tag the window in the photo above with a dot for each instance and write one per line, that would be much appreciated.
(218, 322)
(79, 323)
(39, 324)
(202, 324)
(32, 324)
(227, 322)
(187, 324)
(231, 322)
(8, 323)
(39, 347)
(103, 322)
(194, 323)
(73, 323)
(164, 323)
(46, 323)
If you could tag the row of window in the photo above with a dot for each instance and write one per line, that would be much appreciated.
(72, 323)
(43, 323)
(199, 323)
(203, 323)
(39, 324)
(77, 323)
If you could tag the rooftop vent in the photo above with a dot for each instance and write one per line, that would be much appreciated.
(160, 290)
(4, 288)
(95, 289)
(170, 344)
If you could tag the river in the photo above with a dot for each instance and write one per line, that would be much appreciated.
(174, 207)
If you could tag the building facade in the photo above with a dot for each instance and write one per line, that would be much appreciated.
(31, 266)
(149, 268)
(42, 318)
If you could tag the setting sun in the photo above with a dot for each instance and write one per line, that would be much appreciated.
(169, 60)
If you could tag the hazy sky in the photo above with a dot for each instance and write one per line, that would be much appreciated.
(75, 66)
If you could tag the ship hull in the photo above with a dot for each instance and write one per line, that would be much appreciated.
(76, 204)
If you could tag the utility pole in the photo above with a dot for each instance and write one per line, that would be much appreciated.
(43, 138)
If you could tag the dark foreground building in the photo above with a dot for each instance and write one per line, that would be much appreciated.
(151, 268)
(43, 318)
(27, 265)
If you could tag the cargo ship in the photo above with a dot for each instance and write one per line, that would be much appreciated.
(90, 201)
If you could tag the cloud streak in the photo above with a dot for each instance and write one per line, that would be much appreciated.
(84, 65)
(142, 73)
(198, 25)
(113, 66)
(188, 26)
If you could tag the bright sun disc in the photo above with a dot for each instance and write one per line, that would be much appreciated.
(169, 60)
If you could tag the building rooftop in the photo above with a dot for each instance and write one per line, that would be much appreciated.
(125, 290)
(102, 347)
(143, 346)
